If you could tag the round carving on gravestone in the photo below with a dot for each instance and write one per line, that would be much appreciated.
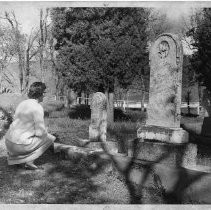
(164, 49)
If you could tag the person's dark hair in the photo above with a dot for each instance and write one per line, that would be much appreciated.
(36, 90)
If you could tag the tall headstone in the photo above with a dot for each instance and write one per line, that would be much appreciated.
(163, 123)
(98, 126)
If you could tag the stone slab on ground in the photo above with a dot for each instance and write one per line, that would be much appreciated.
(111, 145)
(193, 183)
(73, 152)
(170, 135)
(165, 153)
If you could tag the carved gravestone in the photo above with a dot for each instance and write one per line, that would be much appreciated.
(166, 60)
(98, 126)
(163, 123)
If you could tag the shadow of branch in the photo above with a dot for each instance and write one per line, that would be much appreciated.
(125, 168)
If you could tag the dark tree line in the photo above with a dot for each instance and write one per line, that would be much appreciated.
(201, 34)
(101, 48)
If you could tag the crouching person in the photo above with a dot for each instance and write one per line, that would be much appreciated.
(27, 137)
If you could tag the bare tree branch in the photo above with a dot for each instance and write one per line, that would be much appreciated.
(9, 80)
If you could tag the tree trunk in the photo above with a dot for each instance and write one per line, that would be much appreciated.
(20, 58)
(41, 46)
(82, 98)
(57, 81)
(188, 101)
(1, 79)
(143, 88)
(27, 70)
(15, 27)
(127, 104)
(54, 68)
(41, 67)
(142, 100)
(21, 72)
(110, 108)
(79, 98)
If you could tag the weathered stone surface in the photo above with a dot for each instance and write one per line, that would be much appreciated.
(98, 126)
(169, 135)
(168, 154)
(163, 122)
(166, 60)
(74, 152)
(111, 145)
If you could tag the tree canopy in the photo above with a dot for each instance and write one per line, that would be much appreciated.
(100, 48)
(201, 34)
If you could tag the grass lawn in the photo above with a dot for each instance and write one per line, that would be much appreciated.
(71, 182)
(60, 181)
(65, 181)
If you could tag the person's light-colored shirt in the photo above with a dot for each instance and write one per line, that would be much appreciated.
(28, 122)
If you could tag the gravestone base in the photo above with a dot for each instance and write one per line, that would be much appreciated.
(168, 135)
(174, 155)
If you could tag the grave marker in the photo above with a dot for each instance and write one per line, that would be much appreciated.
(163, 122)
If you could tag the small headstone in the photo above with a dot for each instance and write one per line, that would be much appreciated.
(98, 126)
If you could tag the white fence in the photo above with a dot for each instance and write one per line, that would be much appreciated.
(129, 104)
(83, 100)
(117, 103)
(192, 105)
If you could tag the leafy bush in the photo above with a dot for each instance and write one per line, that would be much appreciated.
(120, 115)
(51, 106)
(8, 104)
(80, 111)
(129, 115)
(5, 121)
(83, 112)
(9, 101)
(59, 114)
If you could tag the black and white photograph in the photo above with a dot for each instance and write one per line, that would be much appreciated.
(105, 102)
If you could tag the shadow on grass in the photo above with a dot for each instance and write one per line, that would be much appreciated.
(61, 181)
(174, 194)
(73, 181)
